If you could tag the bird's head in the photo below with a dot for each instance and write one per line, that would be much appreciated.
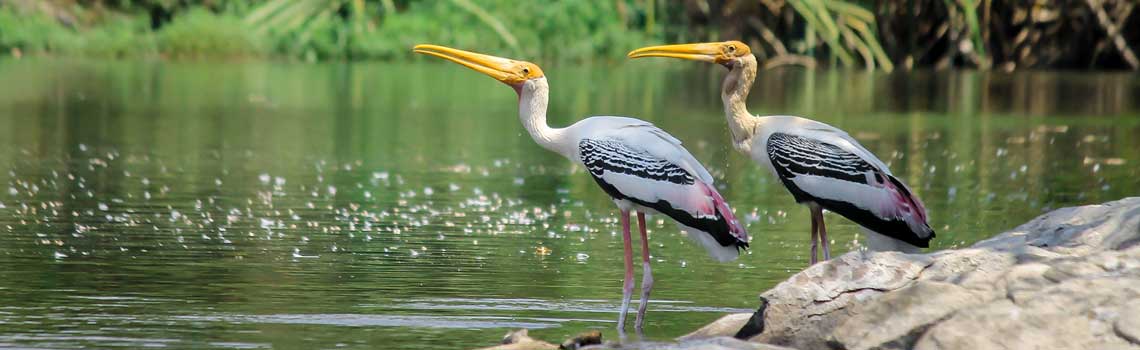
(508, 71)
(727, 53)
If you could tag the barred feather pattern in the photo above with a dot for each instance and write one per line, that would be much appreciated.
(843, 182)
(629, 173)
(601, 156)
(801, 155)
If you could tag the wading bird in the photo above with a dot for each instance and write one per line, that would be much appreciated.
(819, 164)
(643, 168)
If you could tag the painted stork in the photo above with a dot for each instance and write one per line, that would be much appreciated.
(822, 166)
(643, 168)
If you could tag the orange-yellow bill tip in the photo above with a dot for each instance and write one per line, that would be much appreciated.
(496, 67)
(505, 70)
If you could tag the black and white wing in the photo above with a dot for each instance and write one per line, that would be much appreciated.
(848, 181)
(643, 165)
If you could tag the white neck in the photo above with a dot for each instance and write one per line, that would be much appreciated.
(734, 94)
(533, 99)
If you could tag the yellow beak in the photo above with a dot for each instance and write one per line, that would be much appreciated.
(496, 67)
(707, 52)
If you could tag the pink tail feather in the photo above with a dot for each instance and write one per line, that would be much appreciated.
(908, 203)
(721, 206)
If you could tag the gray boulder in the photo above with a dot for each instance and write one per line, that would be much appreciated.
(713, 343)
(1067, 279)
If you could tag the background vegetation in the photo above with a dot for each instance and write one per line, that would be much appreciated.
(998, 34)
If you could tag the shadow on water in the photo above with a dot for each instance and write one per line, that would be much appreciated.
(258, 205)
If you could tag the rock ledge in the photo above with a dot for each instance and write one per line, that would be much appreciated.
(1069, 279)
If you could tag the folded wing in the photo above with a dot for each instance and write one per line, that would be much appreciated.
(644, 165)
(847, 182)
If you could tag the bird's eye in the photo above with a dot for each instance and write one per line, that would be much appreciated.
(732, 48)
(526, 71)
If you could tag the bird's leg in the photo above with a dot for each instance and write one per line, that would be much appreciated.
(814, 236)
(823, 236)
(646, 274)
(627, 289)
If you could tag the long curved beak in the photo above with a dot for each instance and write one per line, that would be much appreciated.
(496, 67)
(706, 52)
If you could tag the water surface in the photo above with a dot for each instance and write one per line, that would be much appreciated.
(279, 205)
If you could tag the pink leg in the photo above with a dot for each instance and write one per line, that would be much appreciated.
(627, 290)
(646, 274)
(814, 237)
(823, 235)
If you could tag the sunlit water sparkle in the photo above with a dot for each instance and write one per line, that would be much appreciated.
(319, 206)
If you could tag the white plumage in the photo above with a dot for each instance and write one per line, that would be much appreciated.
(643, 168)
(845, 172)
(648, 168)
(822, 166)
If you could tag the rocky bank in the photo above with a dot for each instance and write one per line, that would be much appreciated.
(1069, 279)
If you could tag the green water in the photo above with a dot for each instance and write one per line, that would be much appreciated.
(277, 205)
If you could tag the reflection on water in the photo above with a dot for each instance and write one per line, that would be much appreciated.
(263, 205)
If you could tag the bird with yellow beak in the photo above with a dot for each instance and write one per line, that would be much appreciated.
(641, 167)
(822, 166)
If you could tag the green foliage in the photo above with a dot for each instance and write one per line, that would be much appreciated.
(343, 29)
(122, 37)
(969, 10)
(31, 33)
(201, 33)
(307, 28)
(844, 27)
(574, 30)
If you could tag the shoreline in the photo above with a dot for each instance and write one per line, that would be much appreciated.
(1069, 278)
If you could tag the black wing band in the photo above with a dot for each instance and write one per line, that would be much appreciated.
(796, 155)
(793, 156)
(601, 156)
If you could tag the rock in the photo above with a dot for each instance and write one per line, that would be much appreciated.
(1076, 231)
(725, 326)
(739, 326)
(895, 319)
(1069, 279)
(1128, 325)
(716, 343)
(519, 340)
(1066, 279)
(582, 340)
(1076, 314)
(805, 309)
(971, 268)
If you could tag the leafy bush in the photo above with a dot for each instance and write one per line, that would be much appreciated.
(120, 37)
(342, 29)
(199, 32)
(31, 33)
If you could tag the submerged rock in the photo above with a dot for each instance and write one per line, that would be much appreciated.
(582, 340)
(520, 340)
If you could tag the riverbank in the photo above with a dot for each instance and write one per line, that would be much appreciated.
(1067, 279)
(1000, 35)
(323, 30)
